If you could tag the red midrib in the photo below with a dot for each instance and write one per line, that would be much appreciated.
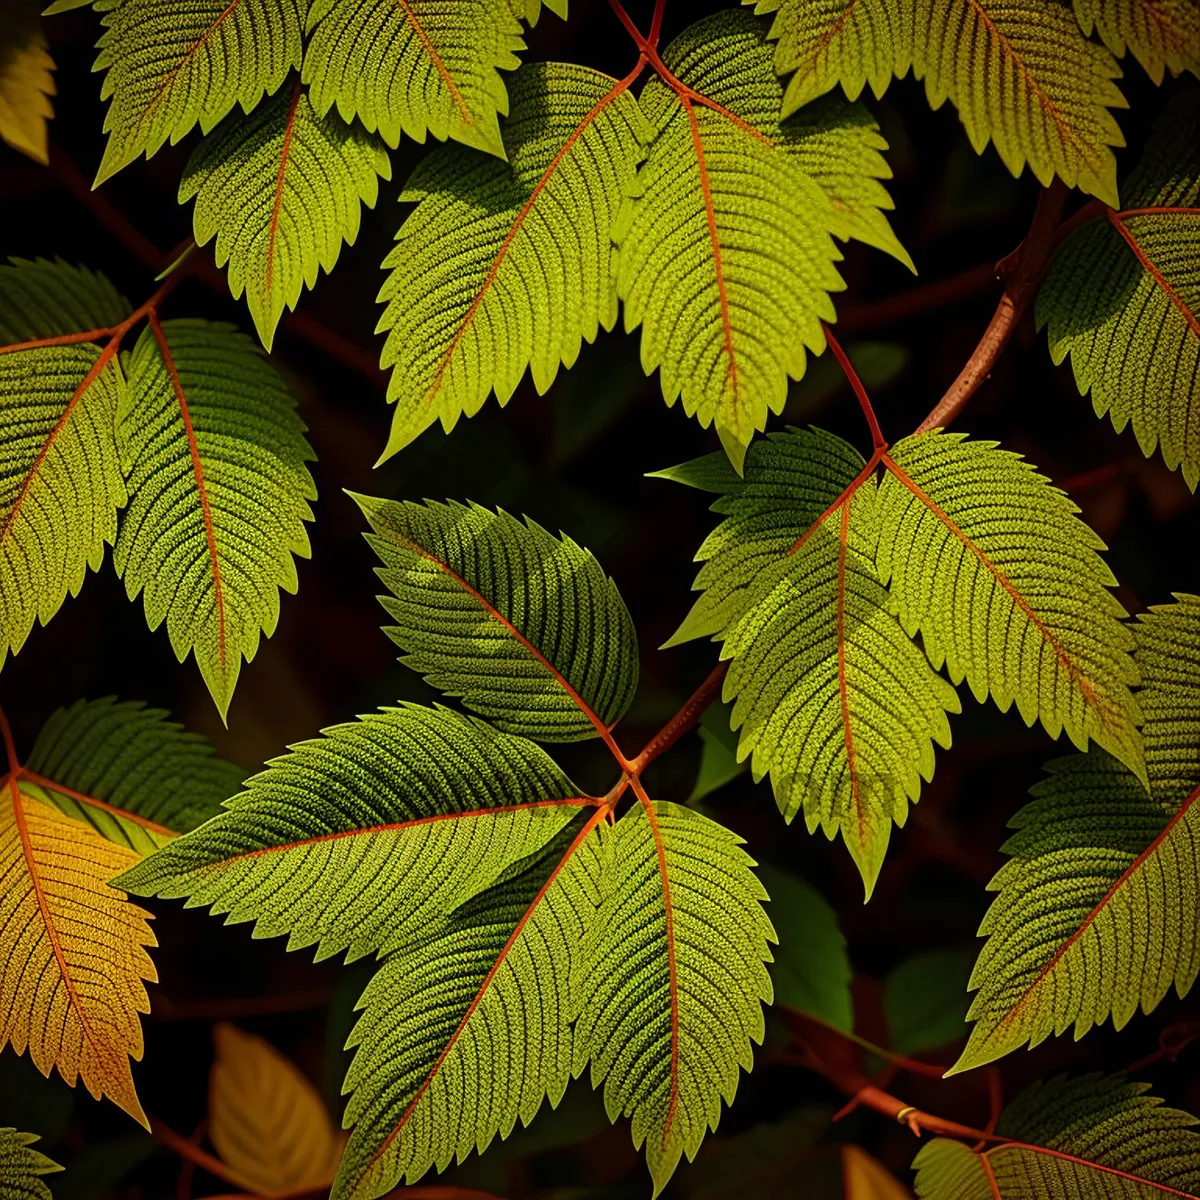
(580, 837)
(52, 785)
(457, 96)
(198, 473)
(1151, 268)
(273, 227)
(1062, 1156)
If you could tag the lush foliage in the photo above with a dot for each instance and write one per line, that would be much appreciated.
(508, 931)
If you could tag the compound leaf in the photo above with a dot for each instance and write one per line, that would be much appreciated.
(507, 265)
(827, 42)
(469, 1029)
(215, 457)
(524, 626)
(26, 81)
(724, 250)
(1087, 1136)
(1004, 582)
(281, 190)
(333, 843)
(1122, 297)
(1161, 34)
(173, 63)
(832, 698)
(21, 1167)
(60, 476)
(416, 66)
(266, 1121)
(672, 978)
(1096, 912)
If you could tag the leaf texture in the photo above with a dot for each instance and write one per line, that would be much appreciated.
(60, 476)
(1023, 76)
(137, 778)
(524, 626)
(413, 66)
(333, 843)
(1122, 298)
(21, 1167)
(219, 493)
(174, 63)
(1088, 1136)
(266, 1121)
(281, 190)
(469, 1031)
(506, 266)
(832, 698)
(725, 257)
(822, 43)
(1163, 35)
(672, 978)
(26, 81)
(1004, 582)
(1096, 911)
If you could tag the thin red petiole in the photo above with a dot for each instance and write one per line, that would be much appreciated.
(656, 22)
(878, 440)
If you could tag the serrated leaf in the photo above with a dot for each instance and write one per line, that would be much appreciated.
(281, 190)
(417, 66)
(21, 1167)
(1161, 34)
(1122, 297)
(822, 43)
(724, 251)
(1087, 1136)
(173, 64)
(219, 493)
(524, 626)
(507, 266)
(469, 1030)
(1023, 77)
(60, 477)
(672, 978)
(266, 1121)
(838, 144)
(332, 843)
(1096, 912)
(832, 698)
(1005, 584)
(26, 81)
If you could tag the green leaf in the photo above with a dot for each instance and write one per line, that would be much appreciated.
(22, 1167)
(173, 63)
(812, 969)
(1096, 912)
(134, 776)
(504, 266)
(1030, 83)
(671, 978)
(1161, 34)
(335, 843)
(709, 473)
(414, 67)
(215, 457)
(827, 42)
(838, 144)
(469, 1030)
(724, 250)
(1087, 1136)
(718, 752)
(1122, 298)
(831, 696)
(281, 190)
(1004, 582)
(925, 1001)
(26, 81)
(60, 476)
(524, 626)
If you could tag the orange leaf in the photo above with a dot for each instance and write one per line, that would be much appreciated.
(866, 1178)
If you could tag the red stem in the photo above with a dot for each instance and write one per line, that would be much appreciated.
(917, 300)
(683, 720)
(864, 401)
(660, 7)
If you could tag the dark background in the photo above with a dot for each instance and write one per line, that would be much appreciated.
(574, 460)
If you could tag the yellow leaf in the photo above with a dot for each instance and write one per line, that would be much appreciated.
(266, 1120)
(26, 81)
(866, 1178)
(72, 949)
